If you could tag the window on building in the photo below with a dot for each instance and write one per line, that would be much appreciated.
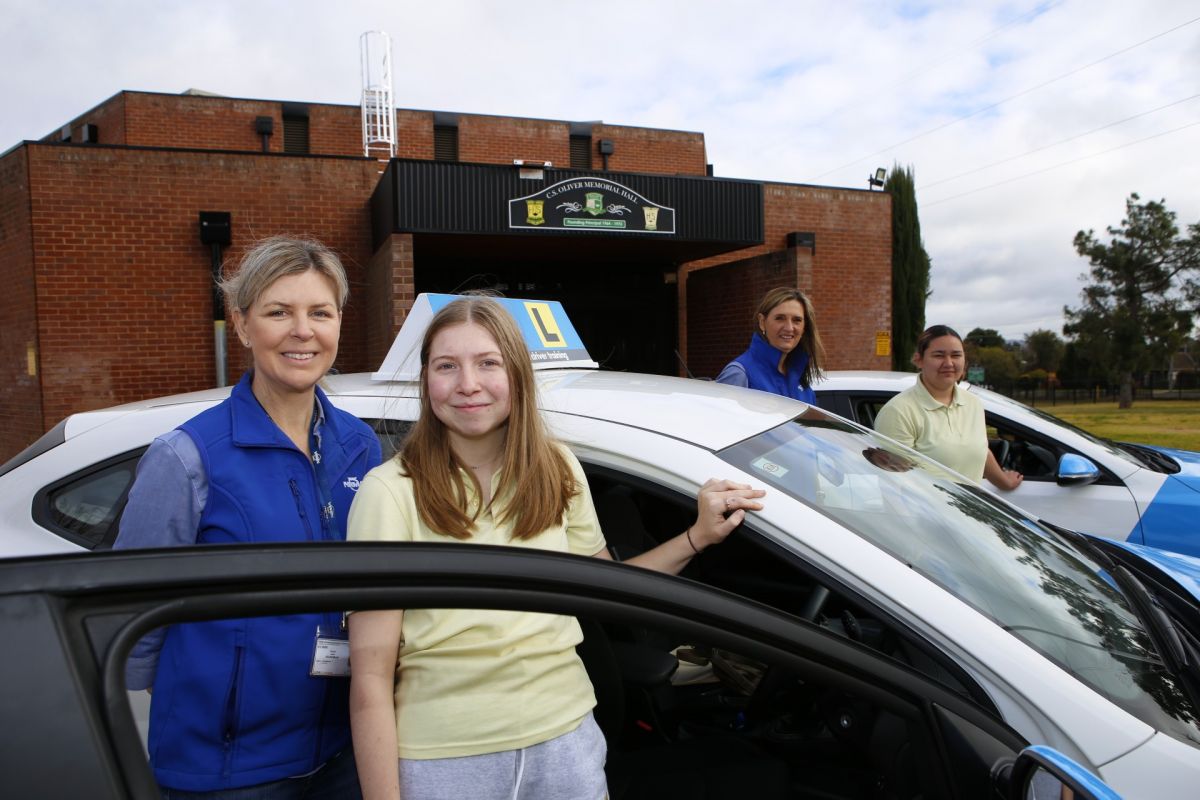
(581, 152)
(445, 143)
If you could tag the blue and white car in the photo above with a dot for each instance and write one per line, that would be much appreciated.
(880, 628)
(1128, 492)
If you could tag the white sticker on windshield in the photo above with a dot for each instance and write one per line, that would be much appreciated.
(769, 467)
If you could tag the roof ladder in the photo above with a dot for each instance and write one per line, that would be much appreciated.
(378, 110)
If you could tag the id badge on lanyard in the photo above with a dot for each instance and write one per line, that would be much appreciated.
(331, 653)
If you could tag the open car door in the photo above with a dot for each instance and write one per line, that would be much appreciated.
(71, 621)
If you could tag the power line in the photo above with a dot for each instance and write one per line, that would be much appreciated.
(998, 103)
(1056, 144)
(1036, 11)
(1060, 165)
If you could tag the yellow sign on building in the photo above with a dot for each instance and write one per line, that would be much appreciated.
(883, 343)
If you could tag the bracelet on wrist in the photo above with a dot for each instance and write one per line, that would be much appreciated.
(688, 534)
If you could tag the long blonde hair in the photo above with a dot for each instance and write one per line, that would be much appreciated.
(534, 470)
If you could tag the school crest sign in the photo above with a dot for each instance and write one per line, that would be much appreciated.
(594, 204)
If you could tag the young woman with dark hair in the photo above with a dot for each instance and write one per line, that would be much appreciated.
(939, 419)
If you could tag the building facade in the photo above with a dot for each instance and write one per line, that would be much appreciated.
(108, 285)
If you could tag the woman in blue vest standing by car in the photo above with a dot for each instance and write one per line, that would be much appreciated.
(785, 351)
(243, 708)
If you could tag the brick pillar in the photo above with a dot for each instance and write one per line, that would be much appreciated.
(800, 257)
(390, 294)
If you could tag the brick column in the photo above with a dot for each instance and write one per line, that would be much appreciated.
(390, 294)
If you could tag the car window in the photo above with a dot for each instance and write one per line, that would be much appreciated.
(866, 410)
(999, 401)
(1032, 454)
(636, 515)
(84, 507)
(390, 432)
(1031, 582)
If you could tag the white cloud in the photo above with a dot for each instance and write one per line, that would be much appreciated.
(816, 92)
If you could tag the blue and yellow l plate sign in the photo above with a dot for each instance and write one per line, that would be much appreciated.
(544, 325)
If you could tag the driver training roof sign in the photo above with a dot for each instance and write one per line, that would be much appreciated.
(544, 325)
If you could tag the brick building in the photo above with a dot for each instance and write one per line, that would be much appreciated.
(107, 282)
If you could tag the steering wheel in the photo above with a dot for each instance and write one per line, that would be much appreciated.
(773, 677)
(1002, 450)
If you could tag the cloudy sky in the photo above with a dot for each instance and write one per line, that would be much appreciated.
(1025, 121)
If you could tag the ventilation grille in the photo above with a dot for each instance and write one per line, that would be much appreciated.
(581, 152)
(295, 134)
(445, 143)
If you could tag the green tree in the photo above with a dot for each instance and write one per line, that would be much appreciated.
(1000, 367)
(984, 337)
(910, 268)
(1142, 291)
(1042, 349)
(1085, 362)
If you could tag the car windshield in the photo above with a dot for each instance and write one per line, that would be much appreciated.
(996, 400)
(1032, 582)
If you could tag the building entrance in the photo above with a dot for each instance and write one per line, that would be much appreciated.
(625, 312)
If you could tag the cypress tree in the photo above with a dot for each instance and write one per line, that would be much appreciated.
(910, 267)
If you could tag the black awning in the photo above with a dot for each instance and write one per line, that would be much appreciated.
(678, 218)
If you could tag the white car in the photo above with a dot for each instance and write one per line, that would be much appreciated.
(1129, 492)
(1032, 636)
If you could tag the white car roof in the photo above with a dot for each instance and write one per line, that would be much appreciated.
(709, 414)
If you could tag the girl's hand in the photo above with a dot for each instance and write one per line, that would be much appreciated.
(721, 506)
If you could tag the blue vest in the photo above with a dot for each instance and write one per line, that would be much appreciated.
(234, 704)
(761, 362)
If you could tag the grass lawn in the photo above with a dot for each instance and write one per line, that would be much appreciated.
(1167, 423)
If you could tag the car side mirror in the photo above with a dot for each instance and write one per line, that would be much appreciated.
(1075, 470)
(1043, 773)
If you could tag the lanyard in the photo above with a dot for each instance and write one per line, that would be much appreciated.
(324, 487)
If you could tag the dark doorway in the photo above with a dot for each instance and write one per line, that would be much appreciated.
(624, 310)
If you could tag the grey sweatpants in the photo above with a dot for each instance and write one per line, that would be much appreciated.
(568, 767)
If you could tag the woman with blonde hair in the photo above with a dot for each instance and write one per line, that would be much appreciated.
(785, 352)
(242, 707)
(481, 703)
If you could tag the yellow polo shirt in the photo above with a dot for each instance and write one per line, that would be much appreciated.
(476, 681)
(954, 434)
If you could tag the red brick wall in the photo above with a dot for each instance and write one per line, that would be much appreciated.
(216, 123)
(333, 130)
(650, 150)
(851, 284)
(108, 117)
(123, 280)
(414, 134)
(222, 123)
(389, 296)
(188, 121)
(498, 140)
(20, 393)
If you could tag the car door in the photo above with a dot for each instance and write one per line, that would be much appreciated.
(74, 620)
(1104, 508)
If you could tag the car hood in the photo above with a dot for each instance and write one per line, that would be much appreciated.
(1188, 461)
(1183, 570)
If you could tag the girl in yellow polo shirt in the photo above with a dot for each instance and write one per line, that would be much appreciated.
(449, 703)
(937, 418)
